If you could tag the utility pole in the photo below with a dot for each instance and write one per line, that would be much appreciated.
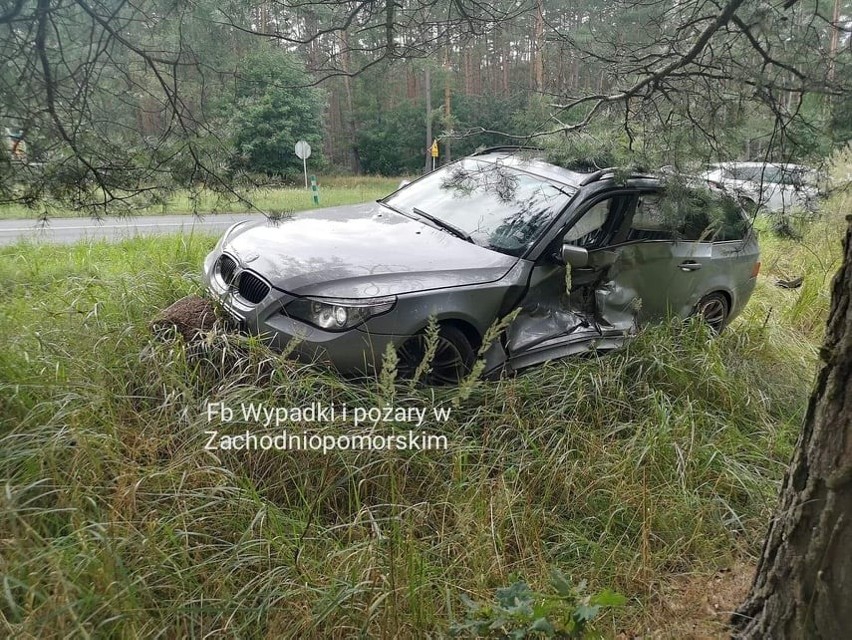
(448, 126)
(428, 154)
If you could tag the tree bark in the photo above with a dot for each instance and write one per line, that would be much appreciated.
(411, 83)
(538, 47)
(428, 90)
(505, 58)
(448, 122)
(468, 80)
(803, 585)
(832, 46)
(351, 124)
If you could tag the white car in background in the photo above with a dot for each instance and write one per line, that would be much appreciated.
(771, 187)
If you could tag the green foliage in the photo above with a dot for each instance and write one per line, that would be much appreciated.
(585, 151)
(518, 612)
(391, 141)
(273, 109)
(515, 113)
(841, 119)
(813, 135)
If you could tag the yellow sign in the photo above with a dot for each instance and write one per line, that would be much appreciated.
(434, 149)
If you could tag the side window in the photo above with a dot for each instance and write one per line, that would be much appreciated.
(732, 223)
(695, 216)
(589, 230)
(650, 222)
(711, 216)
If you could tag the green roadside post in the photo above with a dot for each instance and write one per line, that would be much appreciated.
(314, 189)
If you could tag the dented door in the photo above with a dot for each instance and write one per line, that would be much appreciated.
(651, 280)
(558, 313)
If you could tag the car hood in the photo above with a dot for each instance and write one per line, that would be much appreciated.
(363, 251)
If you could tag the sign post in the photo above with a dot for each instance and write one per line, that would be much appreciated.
(314, 190)
(16, 144)
(303, 151)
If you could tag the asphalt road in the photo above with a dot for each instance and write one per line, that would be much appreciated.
(68, 230)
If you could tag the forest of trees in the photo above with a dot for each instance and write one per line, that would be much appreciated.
(128, 95)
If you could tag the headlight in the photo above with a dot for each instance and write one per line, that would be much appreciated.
(337, 314)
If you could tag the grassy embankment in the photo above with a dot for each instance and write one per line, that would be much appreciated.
(627, 470)
(334, 190)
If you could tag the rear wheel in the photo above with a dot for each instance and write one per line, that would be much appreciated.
(453, 360)
(713, 309)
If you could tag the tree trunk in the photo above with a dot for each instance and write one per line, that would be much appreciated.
(505, 58)
(832, 45)
(803, 586)
(428, 89)
(411, 84)
(538, 47)
(448, 116)
(468, 73)
(351, 124)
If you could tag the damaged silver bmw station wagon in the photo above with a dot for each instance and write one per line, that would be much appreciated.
(586, 258)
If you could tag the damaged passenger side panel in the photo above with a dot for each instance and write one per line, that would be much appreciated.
(561, 314)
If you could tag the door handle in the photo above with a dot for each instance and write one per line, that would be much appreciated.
(689, 265)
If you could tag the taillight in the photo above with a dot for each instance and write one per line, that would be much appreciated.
(755, 270)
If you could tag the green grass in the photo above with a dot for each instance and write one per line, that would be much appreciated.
(625, 470)
(334, 190)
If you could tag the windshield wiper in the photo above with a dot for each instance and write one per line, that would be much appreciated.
(461, 233)
(392, 208)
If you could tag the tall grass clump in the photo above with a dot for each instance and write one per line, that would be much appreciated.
(623, 470)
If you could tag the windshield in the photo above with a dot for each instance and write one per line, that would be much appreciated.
(498, 207)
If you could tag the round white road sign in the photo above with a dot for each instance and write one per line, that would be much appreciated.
(303, 150)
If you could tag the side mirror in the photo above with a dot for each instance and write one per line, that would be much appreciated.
(573, 256)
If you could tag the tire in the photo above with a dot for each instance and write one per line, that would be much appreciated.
(453, 360)
(713, 309)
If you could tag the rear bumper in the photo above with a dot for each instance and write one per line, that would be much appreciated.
(741, 296)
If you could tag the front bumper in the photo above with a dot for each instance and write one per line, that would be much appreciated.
(357, 350)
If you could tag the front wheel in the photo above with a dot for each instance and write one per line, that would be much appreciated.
(713, 309)
(453, 359)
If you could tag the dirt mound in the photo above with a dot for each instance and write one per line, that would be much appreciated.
(189, 316)
(699, 607)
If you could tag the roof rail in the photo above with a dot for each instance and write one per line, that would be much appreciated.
(597, 175)
(602, 173)
(505, 147)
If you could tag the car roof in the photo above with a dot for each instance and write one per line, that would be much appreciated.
(532, 161)
(757, 165)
